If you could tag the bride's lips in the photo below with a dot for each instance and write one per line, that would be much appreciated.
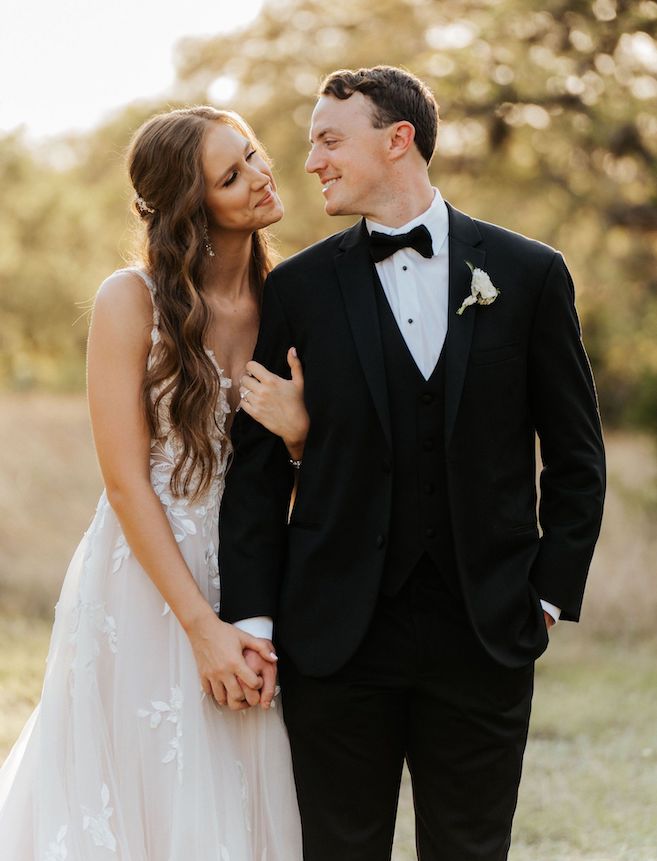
(268, 198)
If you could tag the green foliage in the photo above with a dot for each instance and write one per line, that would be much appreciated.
(548, 127)
(63, 230)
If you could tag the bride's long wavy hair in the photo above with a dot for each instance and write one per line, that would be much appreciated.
(164, 162)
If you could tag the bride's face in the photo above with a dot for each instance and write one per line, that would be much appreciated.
(240, 189)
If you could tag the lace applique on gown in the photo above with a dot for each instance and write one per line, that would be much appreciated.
(125, 757)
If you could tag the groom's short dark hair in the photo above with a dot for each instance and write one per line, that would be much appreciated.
(396, 95)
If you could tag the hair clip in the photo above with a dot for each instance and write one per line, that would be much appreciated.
(142, 206)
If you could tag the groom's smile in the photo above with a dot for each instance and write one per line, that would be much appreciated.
(327, 183)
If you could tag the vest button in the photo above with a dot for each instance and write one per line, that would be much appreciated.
(429, 487)
(427, 398)
(428, 445)
(430, 532)
(380, 541)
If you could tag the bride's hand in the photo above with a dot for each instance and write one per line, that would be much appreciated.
(277, 403)
(218, 649)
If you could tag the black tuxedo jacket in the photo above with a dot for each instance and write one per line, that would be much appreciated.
(514, 369)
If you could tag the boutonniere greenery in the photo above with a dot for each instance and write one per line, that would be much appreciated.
(482, 289)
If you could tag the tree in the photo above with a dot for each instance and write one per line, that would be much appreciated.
(549, 127)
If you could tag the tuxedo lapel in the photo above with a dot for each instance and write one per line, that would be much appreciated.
(464, 237)
(356, 277)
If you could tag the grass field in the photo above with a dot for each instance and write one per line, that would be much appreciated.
(589, 791)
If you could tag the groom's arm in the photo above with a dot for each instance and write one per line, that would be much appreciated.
(253, 521)
(565, 411)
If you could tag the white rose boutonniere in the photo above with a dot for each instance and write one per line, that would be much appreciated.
(482, 289)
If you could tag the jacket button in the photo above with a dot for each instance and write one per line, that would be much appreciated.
(430, 532)
(427, 398)
(385, 465)
(380, 541)
(429, 487)
(428, 445)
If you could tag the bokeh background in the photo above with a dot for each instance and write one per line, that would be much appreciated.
(549, 127)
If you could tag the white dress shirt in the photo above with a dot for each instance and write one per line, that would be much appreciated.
(417, 289)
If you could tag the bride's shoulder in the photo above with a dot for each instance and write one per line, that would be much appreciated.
(125, 295)
(126, 287)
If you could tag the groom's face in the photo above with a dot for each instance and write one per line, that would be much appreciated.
(348, 155)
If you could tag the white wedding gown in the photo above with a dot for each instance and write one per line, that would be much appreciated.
(125, 758)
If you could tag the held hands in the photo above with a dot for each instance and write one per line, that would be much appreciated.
(277, 403)
(226, 675)
(266, 670)
(549, 621)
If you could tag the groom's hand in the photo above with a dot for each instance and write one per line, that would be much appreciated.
(549, 621)
(267, 672)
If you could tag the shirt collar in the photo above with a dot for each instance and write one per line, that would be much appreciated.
(435, 219)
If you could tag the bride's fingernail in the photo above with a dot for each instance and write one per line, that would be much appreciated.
(294, 352)
(273, 655)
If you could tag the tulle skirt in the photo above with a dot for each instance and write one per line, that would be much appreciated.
(125, 757)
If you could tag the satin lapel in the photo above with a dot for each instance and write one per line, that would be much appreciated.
(464, 236)
(356, 276)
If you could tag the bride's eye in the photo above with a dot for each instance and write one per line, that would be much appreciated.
(252, 153)
(231, 179)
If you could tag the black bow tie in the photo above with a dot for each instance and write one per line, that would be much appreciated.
(382, 245)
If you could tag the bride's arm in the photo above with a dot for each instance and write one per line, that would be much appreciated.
(277, 403)
(119, 340)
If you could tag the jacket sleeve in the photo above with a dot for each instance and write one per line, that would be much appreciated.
(253, 517)
(566, 417)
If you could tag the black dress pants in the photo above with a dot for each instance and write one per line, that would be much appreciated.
(420, 689)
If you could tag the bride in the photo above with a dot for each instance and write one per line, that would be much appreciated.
(144, 747)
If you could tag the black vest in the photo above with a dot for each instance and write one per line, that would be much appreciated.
(419, 521)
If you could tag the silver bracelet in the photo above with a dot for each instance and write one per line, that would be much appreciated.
(295, 464)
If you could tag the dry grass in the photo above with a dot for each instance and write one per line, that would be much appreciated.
(589, 789)
(589, 792)
(23, 649)
(49, 484)
(621, 599)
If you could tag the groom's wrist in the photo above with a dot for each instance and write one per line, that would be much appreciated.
(257, 626)
(552, 610)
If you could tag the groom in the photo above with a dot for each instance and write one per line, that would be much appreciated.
(411, 589)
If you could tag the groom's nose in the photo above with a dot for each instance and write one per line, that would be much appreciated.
(313, 162)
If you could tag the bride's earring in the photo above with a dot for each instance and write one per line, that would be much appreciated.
(206, 238)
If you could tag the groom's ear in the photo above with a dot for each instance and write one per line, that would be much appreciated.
(401, 139)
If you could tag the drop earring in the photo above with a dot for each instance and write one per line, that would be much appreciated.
(206, 239)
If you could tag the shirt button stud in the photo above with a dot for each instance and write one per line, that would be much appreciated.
(404, 268)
